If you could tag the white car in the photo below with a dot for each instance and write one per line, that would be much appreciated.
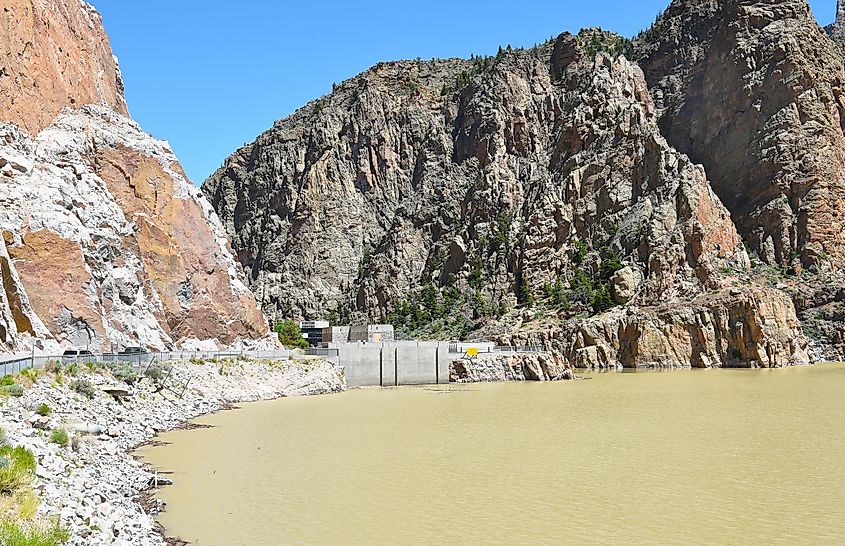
(76, 355)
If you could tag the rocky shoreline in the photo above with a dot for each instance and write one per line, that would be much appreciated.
(94, 484)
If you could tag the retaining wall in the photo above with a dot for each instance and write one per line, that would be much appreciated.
(394, 363)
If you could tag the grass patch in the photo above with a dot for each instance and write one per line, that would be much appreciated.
(59, 436)
(154, 372)
(43, 410)
(17, 465)
(123, 372)
(19, 503)
(13, 533)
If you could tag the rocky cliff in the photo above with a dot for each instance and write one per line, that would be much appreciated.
(54, 54)
(732, 328)
(836, 30)
(544, 163)
(458, 195)
(753, 90)
(105, 242)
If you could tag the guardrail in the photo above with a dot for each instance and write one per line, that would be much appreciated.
(518, 349)
(139, 360)
(459, 348)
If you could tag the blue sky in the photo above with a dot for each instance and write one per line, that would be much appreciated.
(210, 75)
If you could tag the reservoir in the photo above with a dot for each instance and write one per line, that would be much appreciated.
(699, 456)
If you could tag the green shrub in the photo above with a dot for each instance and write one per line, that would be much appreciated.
(610, 262)
(581, 250)
(2, 436)
(43, 410)
(6, 381)
(556, 295)
(594, 42)
(53, 366)
(123, 371)
(83, 387)
(12, 480)
(501, 239)
(19, 534)
(20, 457)
(290, 335)
(12, 390)
(59, 436)
(601, 301)
(154, 372)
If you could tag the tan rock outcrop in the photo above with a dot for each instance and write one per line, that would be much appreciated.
(17, 318)
(732, 328)
(54, 54)
(49, 265)
(183, 259)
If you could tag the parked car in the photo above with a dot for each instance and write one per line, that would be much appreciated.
(76, 355)
(132, 351)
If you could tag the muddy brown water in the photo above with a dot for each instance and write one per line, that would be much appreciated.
(684, 457)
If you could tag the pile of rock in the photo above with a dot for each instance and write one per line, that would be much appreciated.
(94, 483)
(494, 367)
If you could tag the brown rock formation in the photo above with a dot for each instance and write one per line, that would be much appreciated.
(729, 328)
(182, 258)
(16, 313)
(50, 265)
(753, 90)
(54, 54)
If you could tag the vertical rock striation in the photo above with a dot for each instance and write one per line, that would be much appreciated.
(390, 185)
(753, 90)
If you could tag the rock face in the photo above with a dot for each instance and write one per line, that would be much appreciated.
(506, 367)
(753, 90)
(837, 29)
(729, 328)
(400, 183)
(53, 54)
(419, 192)
(106, 243)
